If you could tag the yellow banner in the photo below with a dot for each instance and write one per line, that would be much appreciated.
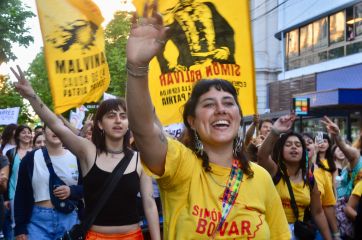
(74, 51)
(208, 40)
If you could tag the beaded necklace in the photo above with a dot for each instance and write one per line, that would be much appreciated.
(230, 193)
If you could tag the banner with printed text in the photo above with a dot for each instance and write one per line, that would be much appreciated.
(208, 39)
(9, 115)
(74, 51)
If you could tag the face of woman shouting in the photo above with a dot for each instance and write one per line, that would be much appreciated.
(293, 150)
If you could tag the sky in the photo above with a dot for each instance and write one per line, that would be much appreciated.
(25, 55)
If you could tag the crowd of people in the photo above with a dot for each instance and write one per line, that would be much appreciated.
(214, 183)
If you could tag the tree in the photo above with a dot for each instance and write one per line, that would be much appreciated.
(38, 77)
(13, 15)
(10, 98)
(116, 34)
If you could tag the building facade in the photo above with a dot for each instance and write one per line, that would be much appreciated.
(321, 59)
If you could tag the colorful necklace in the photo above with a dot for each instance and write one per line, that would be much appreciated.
(230, 193)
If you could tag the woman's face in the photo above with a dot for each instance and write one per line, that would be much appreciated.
(25, 136)
(310, 146)
(323, 146)
(217, 118)
(338, 154)
(265, 128)
(292, 150)
(51, 138)
(39, 142)
(114, 124)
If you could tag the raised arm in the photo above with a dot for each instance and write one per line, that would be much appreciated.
(350, 152)
(282, 125)
(78, 145)
(250, 132)
(146, 40)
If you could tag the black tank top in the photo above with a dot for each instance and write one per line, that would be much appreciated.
(121, 207)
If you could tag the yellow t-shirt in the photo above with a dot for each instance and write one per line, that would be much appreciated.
(301, 195)
(325, 185)
(357, 190)
(192, 201)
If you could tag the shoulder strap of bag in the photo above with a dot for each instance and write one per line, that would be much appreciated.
(107, 189)
(48, 161)
(292, 199)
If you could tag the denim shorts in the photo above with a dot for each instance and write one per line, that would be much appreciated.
(49, 224)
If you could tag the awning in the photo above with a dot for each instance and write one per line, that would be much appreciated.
(340, 97)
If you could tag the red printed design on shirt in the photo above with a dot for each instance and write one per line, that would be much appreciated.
(207, 221)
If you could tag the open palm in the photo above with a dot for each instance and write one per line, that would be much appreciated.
(147, 37)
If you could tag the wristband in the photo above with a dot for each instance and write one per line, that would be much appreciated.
(135, 71)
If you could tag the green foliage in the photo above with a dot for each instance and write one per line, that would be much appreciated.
(10, 98)
(13, 15)
(38, 77)
(116, 34)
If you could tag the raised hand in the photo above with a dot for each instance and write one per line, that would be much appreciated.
(147, 36)
(284, 123)
(331, 127)
(22, 86)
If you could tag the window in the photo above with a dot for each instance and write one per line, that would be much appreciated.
(293, 43)
(320, 33)
(306, 39)
(358, 19)
(336, 27)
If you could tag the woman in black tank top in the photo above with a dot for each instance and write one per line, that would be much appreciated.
(119, 218)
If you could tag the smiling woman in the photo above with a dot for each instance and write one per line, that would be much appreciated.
(208, 186)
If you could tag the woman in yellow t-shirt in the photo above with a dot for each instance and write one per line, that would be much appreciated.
(325, 185)
(354, 199)
(285, 156)
(208, 187)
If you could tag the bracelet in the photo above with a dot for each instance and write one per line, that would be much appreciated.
(336, 234)
(135, 71)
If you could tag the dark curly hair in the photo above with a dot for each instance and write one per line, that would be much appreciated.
(188, 138)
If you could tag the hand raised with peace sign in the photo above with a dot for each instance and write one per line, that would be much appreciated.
(332, 128)
(22, 86)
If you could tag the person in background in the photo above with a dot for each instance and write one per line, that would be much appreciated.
(284, 155)
(38, 129)
(35, 215)
(349, 178)
(39, 140)
(4, 176)
(23, 141)
(7, 138)
(353, 209)
(325, 187)
(263, 131)
(340, 159)
(358, 142)
(110, 144)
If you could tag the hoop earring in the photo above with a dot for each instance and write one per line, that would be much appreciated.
(199, 147)
(238, 144)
